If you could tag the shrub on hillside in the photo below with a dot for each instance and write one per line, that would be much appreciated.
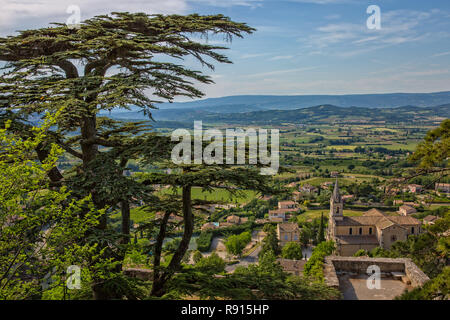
(204, 241)
(314, 266)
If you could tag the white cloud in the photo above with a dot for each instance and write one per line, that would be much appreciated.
(349, 39)
(276, 58)
(20, 14)
(323, 1)
(253, 55)
(279, 72)
(229, 3)
(440, 54)
(25, 14)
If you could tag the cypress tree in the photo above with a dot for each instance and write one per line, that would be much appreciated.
(320, 235)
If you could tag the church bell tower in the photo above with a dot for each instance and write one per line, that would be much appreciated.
(336, 204)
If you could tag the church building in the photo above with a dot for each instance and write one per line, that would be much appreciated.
(373, 229)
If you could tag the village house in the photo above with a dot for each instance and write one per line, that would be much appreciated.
(172, 218)
(347, 197)
(415, 188)
(334, 174)
(260, 235)
(294, 267)
(373, 229)
(411, 204)
(406, 210)
(236, 219)
(430, 220)
(303, 175)
(288, 232)
(292, 185)
(266, 198)
(284, 207)
(442, 187)
(277, 215)
(326, 185)
(296, 195)
(287, 205)
(210, 226)
(307, 188)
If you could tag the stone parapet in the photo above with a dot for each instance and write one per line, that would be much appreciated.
(358, 265)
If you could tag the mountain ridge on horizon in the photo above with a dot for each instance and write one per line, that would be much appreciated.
(290, 102)
(310, 114)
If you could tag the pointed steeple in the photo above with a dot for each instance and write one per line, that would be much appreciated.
(336, 194)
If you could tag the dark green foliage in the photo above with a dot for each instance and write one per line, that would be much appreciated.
(172, 245)
(196, 256)
(270, 242)
(236, 243)
(321, 233)
(314, 266)
(212, 264)
(204, 241)
(265, 280)
(435, 289)
(361, 253)
(434, 151)
(109, 63)
(292, 250)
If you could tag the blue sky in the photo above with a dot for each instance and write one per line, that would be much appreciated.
(301, 46)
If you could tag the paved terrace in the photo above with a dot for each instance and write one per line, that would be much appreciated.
(349, 275)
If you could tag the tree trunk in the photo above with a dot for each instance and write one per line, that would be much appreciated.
(54, 174)
(125, 207)
(159, 282)
(157, 253)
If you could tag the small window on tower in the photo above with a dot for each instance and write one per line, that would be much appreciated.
(337, 210)
(350, 231)
(370, 230)
(360, 230)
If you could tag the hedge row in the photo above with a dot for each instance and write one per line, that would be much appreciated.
(365, 208)
(237, 229)
(314, 266)
(204, 241)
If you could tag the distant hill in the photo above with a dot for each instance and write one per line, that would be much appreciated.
(246, 103)
(310, 115)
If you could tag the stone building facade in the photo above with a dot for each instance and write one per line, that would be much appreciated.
(373, 229)
(288, 232)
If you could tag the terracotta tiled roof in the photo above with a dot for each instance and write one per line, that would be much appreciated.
(287, 203)
(404, 220)
(292, 265)
(358, 221)
(384, 223)
(288, 227)
(430, 218)
(408, 208)
(281, 211)
(374, 212)
(377, 218)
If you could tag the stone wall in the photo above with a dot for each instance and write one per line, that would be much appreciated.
(359, 265)
(415, 275)
(143, 274)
